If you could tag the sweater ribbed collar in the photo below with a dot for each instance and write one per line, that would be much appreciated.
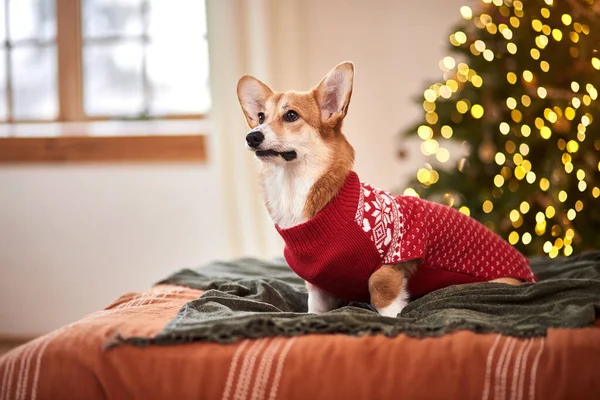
(338, 212)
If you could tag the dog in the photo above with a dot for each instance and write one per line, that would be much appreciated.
(348, 240)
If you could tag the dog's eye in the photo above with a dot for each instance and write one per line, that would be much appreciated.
(290, 116)
(261, 117)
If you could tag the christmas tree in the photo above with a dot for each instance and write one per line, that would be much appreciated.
(520, 98)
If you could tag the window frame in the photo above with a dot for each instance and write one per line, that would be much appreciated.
(82, 147)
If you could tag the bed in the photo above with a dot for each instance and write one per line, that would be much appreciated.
(156, 344)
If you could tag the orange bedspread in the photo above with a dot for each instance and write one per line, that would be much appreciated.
(71, 363)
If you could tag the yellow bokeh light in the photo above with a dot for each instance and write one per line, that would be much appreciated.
(513, 237)
(488, 54)
(571, 214)
(527, 75)
(462, 106)
(487, 206)
(574, 36)
(500, 158)
(511, 47)
(568, 168)
(530, 177)
(596, 192)
(545, 66)
(431, 118)
(547, 247)
(477, 111)
(535, 54)
(576, 102)
(537, 25)
(524, 207)
(514, 21)
(566, 158)
(518, 159)
(411, 192)
(511, 103)
(542, 92)
(596, 63)
(568, 250)
(446, 131)
(504, 128)
(425, 132)
(526, 238)
(511, 77)
(443, 155)
(430, 95)
(526, 100)
(562, 196)
(539, 123)
(550, 212)
(541, 41)
(514, 215)
(580, 174)
(546, 12)
(479, 45)
(449, 62)
(572, 146)
(579, 205)
(516, 115)
(525, 130)
(544, 184)
(566, 19)
(540, 217)
(587, 100)
(445, 91)
(557, 34)
(452, 84)
(465, 210)
(545, 132)
(498, 180)
(467, 13)
(460, 37)
(570, 113)
(582, 186)
(575, 86)
(477, 81)
(585, 120)
(423, 175)
(520, 172)
(550, 115)
(524, 149)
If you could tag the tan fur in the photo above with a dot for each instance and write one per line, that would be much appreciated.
(507, 280)
(385, 285)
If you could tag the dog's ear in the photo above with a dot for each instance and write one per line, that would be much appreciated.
(334, 92)
(252, 95)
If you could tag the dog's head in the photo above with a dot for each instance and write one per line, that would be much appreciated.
(292, 126)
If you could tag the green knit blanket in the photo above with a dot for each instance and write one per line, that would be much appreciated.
(249, 298)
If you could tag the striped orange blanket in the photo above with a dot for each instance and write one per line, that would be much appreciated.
(71, 363)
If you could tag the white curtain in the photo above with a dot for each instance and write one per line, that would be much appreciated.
(262, 38)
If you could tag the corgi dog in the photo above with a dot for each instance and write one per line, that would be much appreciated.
(348, 240)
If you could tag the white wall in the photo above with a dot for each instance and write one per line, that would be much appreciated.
(73, 238)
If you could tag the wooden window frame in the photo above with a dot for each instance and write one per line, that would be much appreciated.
(80, 147)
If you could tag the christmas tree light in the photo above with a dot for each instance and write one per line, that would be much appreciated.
(520, 94)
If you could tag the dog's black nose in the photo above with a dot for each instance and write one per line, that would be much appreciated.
(254, 139)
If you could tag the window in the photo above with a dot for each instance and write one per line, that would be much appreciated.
(82, 60)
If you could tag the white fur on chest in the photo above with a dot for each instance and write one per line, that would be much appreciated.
(286, 191)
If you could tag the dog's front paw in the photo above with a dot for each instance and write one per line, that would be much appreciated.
(393, 309)
(320, 302)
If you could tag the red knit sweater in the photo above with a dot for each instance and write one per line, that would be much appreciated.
(363, 228)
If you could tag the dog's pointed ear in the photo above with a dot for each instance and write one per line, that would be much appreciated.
(252, 95)
(334, 92)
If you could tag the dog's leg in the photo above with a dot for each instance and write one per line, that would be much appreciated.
(387, 287)
(507, 280)
(320, 301)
